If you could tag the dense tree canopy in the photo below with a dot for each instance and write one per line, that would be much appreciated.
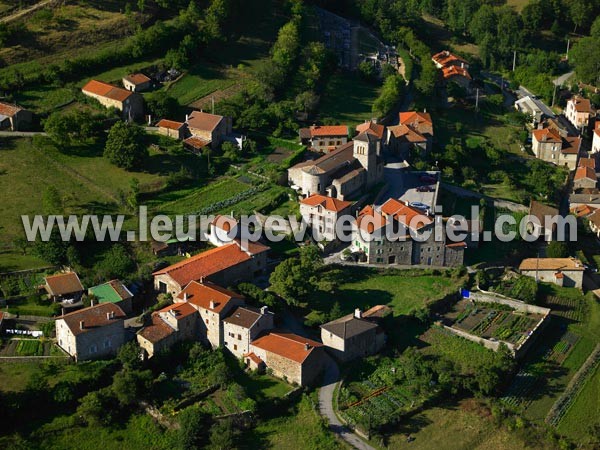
(125, 145)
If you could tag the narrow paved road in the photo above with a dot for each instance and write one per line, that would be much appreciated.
(332, 378)
(22, 133)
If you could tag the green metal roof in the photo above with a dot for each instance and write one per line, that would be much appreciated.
(105, 293)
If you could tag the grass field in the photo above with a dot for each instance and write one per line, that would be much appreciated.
(348, 99)
(200, 80)
(585, 410)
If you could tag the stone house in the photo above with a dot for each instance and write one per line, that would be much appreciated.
(115, 292)
(355, 335)
(93, 332)
(375, 129)
(223, 230)
(294, 358)
(225, 266)
(175, 323)
(322, 212)
(210, 128)
(579, 111)
(324, 138)
(64, 286)
(546, 229)
(453, 67)
(585, 177)
(567, 272)
(594, 221)
(548, 145)
(383, 235)
(14, 117)
(343, 173)
(137, 82)
(243, 325)
(213, 303)
(413, 132)
(171, 128)
(529, 107)
(129, 103)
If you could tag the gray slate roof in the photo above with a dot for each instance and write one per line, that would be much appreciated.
(348, 326)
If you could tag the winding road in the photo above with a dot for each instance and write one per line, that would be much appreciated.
(326, 408)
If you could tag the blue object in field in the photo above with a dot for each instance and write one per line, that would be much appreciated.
(465, 293)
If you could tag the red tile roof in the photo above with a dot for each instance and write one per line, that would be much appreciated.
(106, 90)
(455, 71)
(203, 121)
(9, 110)
(417, 121)
(328, 130)
(181, 310)
(287, 345)
(63, 283)
(137, 78)
(157, 331)
(445, 58)
(329, 203)
(585, 172)
(376, 129)
(225, 223)
(93, 317)
(170, 124)
(201, 295)
(571, 145)
(211, 262)
(370, 220)
(587, 162)
(547, 135)
(254, 358)
(581, 104)
(405, 214)
(406, 133)
(196, 142)
(583, 210)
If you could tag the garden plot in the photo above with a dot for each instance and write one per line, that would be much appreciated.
(569, 308)
(28, 347)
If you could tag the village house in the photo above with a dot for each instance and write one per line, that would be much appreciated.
(14, 118)
(344, 173)
(594, 221)
(414, 131)
(355, 335)
(548, 145)
(172, 129)
(294, 358)
(544, 227)
(213, 303)
(567, 272)
(582, 211)
(210, 129)
(129, 103)
(92, 332)
(243, 325)
(530, 108)
(579, 111)
(453, 67)
(115, 292)
(175, 323)
(322, 212)
(137, 82)
(585, 177)
(225, 265)
(324, 138)
(64, 287)
(376, 129)
(222, 230)
(596, 138)
(401, 248)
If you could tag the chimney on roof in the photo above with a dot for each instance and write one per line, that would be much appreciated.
(358, 313)
(212, 304)
(187, 117)
(185, 297)
(201, 280)
(264, 310)
(306, 346)
(92, 302)
(81, 324)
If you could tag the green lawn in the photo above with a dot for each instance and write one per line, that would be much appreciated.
(43, 99)
(585, 410)
(200, 80)
(348, 99)
(264, 387)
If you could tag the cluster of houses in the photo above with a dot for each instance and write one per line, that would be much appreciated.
(204, 311)
(453, 68)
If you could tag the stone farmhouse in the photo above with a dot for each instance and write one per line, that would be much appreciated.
(324, 138)
(322, 212)
(109, 96)
(546, 229)
(454, 68)
(175, 323)
(137, 82)
(172, 129)
(92, 332)
(113, 291)
(567, 272)
(223, 230)
(579, 111)
(14, 118)
(294, 358)
(414, 131)
(206, 130)
(402, 248)
(344, 173)
(64, 286)
(594, 221)
(550, 146)
(355, 335)
(243, 325)
(585, 178)
(225, 265)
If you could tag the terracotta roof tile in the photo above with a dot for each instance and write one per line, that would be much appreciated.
(581, 104)
(571, 145)
(63, 283)
(375, 129)
(329, 203)
(107, 90)
(328, 130)
(9, 110)
(585, 172)
(137, 78)
(202, 294)
(254, 358)
(196, 142)
(547, 135)
(288, 345)
(551, 264)
(455, 71)
(445, 58)
(587, 162)
(170, 124)
(203, 121)
(93, 317)
(157, 331)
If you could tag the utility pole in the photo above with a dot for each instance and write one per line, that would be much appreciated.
(554, 94)
(477, 100)
(514, 60)
(568, 44)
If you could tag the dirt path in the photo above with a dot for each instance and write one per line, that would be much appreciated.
(25, 11)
